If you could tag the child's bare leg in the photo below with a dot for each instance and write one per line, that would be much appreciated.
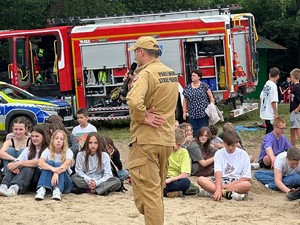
(267, 161)
(206, 184)
(242, 187)
(294, 131)
(298, 135)
(251, 158)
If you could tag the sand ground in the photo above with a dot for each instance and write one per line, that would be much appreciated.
(262, 206)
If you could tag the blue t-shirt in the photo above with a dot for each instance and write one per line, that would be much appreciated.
(197, 100)
(278, 145)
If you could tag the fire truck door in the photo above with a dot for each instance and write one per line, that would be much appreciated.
(241, 57)
(21, 74)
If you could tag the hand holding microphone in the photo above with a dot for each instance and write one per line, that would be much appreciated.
(121, 92)
(129, 74)
(128, 79)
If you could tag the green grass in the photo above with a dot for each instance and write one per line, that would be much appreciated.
(249, 119)
(115, 133)
(283, 112)
(253, 116)
(119, 130)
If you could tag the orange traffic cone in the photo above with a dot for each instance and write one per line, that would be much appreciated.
(239, 71)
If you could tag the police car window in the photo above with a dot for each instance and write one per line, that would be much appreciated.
(15, 93)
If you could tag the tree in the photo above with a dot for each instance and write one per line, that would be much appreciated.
(93, 7)
(20, 14)
(279, 21)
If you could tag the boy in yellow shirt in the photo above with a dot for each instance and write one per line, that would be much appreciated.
(179, 168)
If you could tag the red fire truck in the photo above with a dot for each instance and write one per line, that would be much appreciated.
(88, 62)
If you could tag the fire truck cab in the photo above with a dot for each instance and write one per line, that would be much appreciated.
(90, 61)
(37, 60)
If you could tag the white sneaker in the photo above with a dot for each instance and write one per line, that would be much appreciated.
(56, 194)
(238, 197)
(204, 193)
(13, 190)
(3, 190)
(255, 166)
(40, 194)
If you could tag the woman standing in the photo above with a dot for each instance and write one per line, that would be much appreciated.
(197, 97)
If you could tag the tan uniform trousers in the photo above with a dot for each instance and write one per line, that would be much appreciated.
(148, 166)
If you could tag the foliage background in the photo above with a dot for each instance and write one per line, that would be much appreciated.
(277, 20)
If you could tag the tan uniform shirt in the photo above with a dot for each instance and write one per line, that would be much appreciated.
(156, 86)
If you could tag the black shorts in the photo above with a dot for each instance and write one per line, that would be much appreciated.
(262, 165)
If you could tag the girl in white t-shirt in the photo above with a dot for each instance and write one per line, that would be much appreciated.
(23, 173)
(55, 163)
(93, 169)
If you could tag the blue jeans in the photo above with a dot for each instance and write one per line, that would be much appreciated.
(267, 177)
(14, 153)
(179, 185)
(123, 174)
(198, 123)
(65, 184)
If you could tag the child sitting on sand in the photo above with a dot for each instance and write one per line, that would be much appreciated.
(179, 168)
(232, 178)
(93, 169)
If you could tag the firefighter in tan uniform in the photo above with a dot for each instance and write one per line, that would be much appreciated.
(152, 101)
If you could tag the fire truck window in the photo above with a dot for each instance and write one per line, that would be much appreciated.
(4, 55)
(3, 64)
(209, 48)
(44, 58)
(190, 59)
(4, 60)
(20, 52)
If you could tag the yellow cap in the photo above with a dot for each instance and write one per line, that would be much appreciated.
(146, 42)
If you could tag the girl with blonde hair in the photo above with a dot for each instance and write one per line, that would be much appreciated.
(55, 163)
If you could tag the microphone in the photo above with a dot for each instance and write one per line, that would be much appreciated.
(122, 91)
(124, 88)
(132, 68)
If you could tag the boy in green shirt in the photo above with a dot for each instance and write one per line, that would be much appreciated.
(179, 168)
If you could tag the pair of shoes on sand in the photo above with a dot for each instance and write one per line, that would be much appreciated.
(9, 192)
(226, 194)
(203, 193)
(41, 192)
